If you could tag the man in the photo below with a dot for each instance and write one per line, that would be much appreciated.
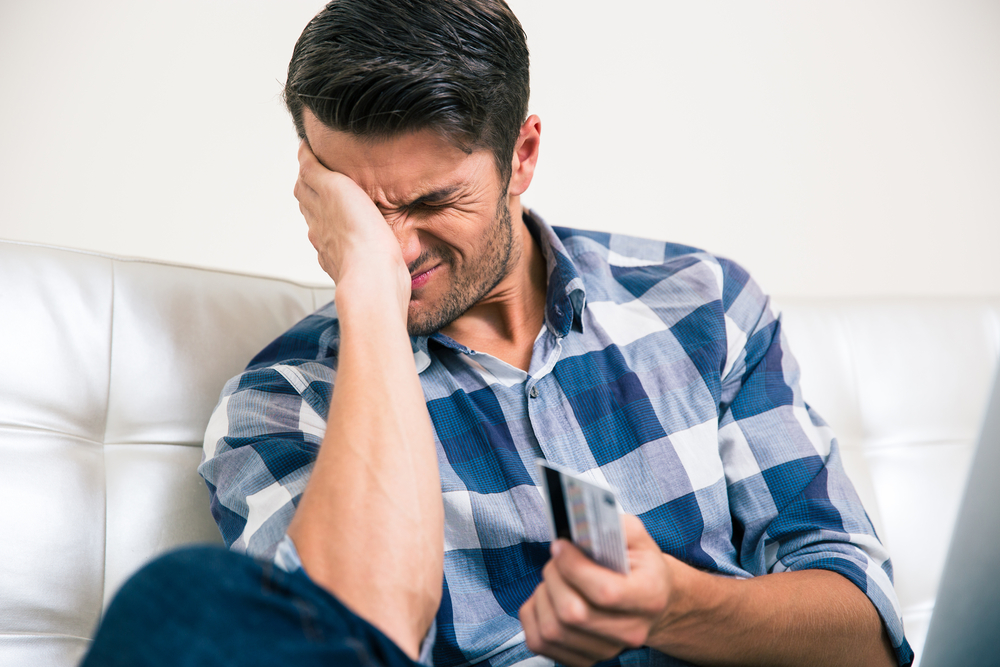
(382, 450)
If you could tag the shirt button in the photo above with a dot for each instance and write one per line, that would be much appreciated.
(534, 392)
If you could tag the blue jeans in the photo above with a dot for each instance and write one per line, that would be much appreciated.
(209, 606)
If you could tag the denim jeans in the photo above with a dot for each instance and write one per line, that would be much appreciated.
(209, 606)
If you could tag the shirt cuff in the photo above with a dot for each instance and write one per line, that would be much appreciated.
(286, 557)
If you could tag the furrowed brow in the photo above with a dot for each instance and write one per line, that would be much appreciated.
(439, 195)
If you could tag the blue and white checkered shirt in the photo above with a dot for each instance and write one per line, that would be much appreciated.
(660, 371)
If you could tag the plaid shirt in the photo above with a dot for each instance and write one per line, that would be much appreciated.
(660, 371)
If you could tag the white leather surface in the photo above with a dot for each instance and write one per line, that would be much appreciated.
(42, 650)
(55, 314)
(52, 523)
(55, 324)
(175, 334)
(109, 369)
(147, 481)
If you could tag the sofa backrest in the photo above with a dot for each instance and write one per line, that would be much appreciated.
(110, 368)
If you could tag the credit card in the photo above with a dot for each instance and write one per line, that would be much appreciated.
(585, 513)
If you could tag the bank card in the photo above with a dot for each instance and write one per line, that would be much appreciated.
(585, 513)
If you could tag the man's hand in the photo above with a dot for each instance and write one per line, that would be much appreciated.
(583, 613)
(346, 228)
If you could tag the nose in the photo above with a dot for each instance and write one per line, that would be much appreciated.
(408, 236)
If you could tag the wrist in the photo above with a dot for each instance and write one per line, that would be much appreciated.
(691, 600)
(373, 287)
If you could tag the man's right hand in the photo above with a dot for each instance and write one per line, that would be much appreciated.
(346, 228)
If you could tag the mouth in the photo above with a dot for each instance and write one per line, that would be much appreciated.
(420, 279)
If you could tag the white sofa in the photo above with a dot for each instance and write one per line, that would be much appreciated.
(110, 367)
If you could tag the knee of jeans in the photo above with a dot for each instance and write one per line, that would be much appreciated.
(187, 568)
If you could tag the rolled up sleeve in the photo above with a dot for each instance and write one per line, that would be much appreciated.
(793, 506)
(260, 446)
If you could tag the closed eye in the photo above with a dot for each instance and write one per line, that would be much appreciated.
(451, 197)
(432, 206)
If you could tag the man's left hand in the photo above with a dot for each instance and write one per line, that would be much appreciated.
(583, 613)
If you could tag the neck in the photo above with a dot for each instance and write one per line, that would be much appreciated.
(506, 322)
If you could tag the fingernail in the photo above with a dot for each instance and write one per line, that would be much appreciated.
(557, 548)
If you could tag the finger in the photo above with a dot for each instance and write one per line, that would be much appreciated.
(596, 584)
(579, 627)
(604, 588)
(310, 168)
(307, 206)
(305, 193)
(305, 154)
(616, 629)
(535, 631)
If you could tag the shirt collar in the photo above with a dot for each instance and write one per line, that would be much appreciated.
(565, 296)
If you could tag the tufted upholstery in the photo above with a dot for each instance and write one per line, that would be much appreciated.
(110, 367)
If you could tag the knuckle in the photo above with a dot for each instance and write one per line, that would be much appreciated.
(656, 605)
(550, 631)
(572, 612)
(527, 617)
(607, 594)
(534, 642)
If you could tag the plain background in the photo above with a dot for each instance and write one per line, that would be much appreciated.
(844, 148)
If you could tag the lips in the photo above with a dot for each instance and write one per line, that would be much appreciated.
(420, 279)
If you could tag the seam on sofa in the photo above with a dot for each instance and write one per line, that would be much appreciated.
(152, 443)
(45, 634)
(164, 262)
(42, 429)
(104, 438)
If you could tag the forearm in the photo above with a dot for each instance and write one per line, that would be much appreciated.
(813, 617)
(369, 526)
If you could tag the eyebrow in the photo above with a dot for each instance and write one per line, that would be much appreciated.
(438, 195)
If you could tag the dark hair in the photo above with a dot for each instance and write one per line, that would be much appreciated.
(380, 68)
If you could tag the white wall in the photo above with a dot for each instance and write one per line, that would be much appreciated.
(834, 148)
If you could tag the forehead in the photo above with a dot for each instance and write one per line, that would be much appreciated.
(399, 169)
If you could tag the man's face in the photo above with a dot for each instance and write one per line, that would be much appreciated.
(446, 208)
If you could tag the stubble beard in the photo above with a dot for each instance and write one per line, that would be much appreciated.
(473, 280)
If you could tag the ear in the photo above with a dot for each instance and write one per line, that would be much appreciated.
(525, 156)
